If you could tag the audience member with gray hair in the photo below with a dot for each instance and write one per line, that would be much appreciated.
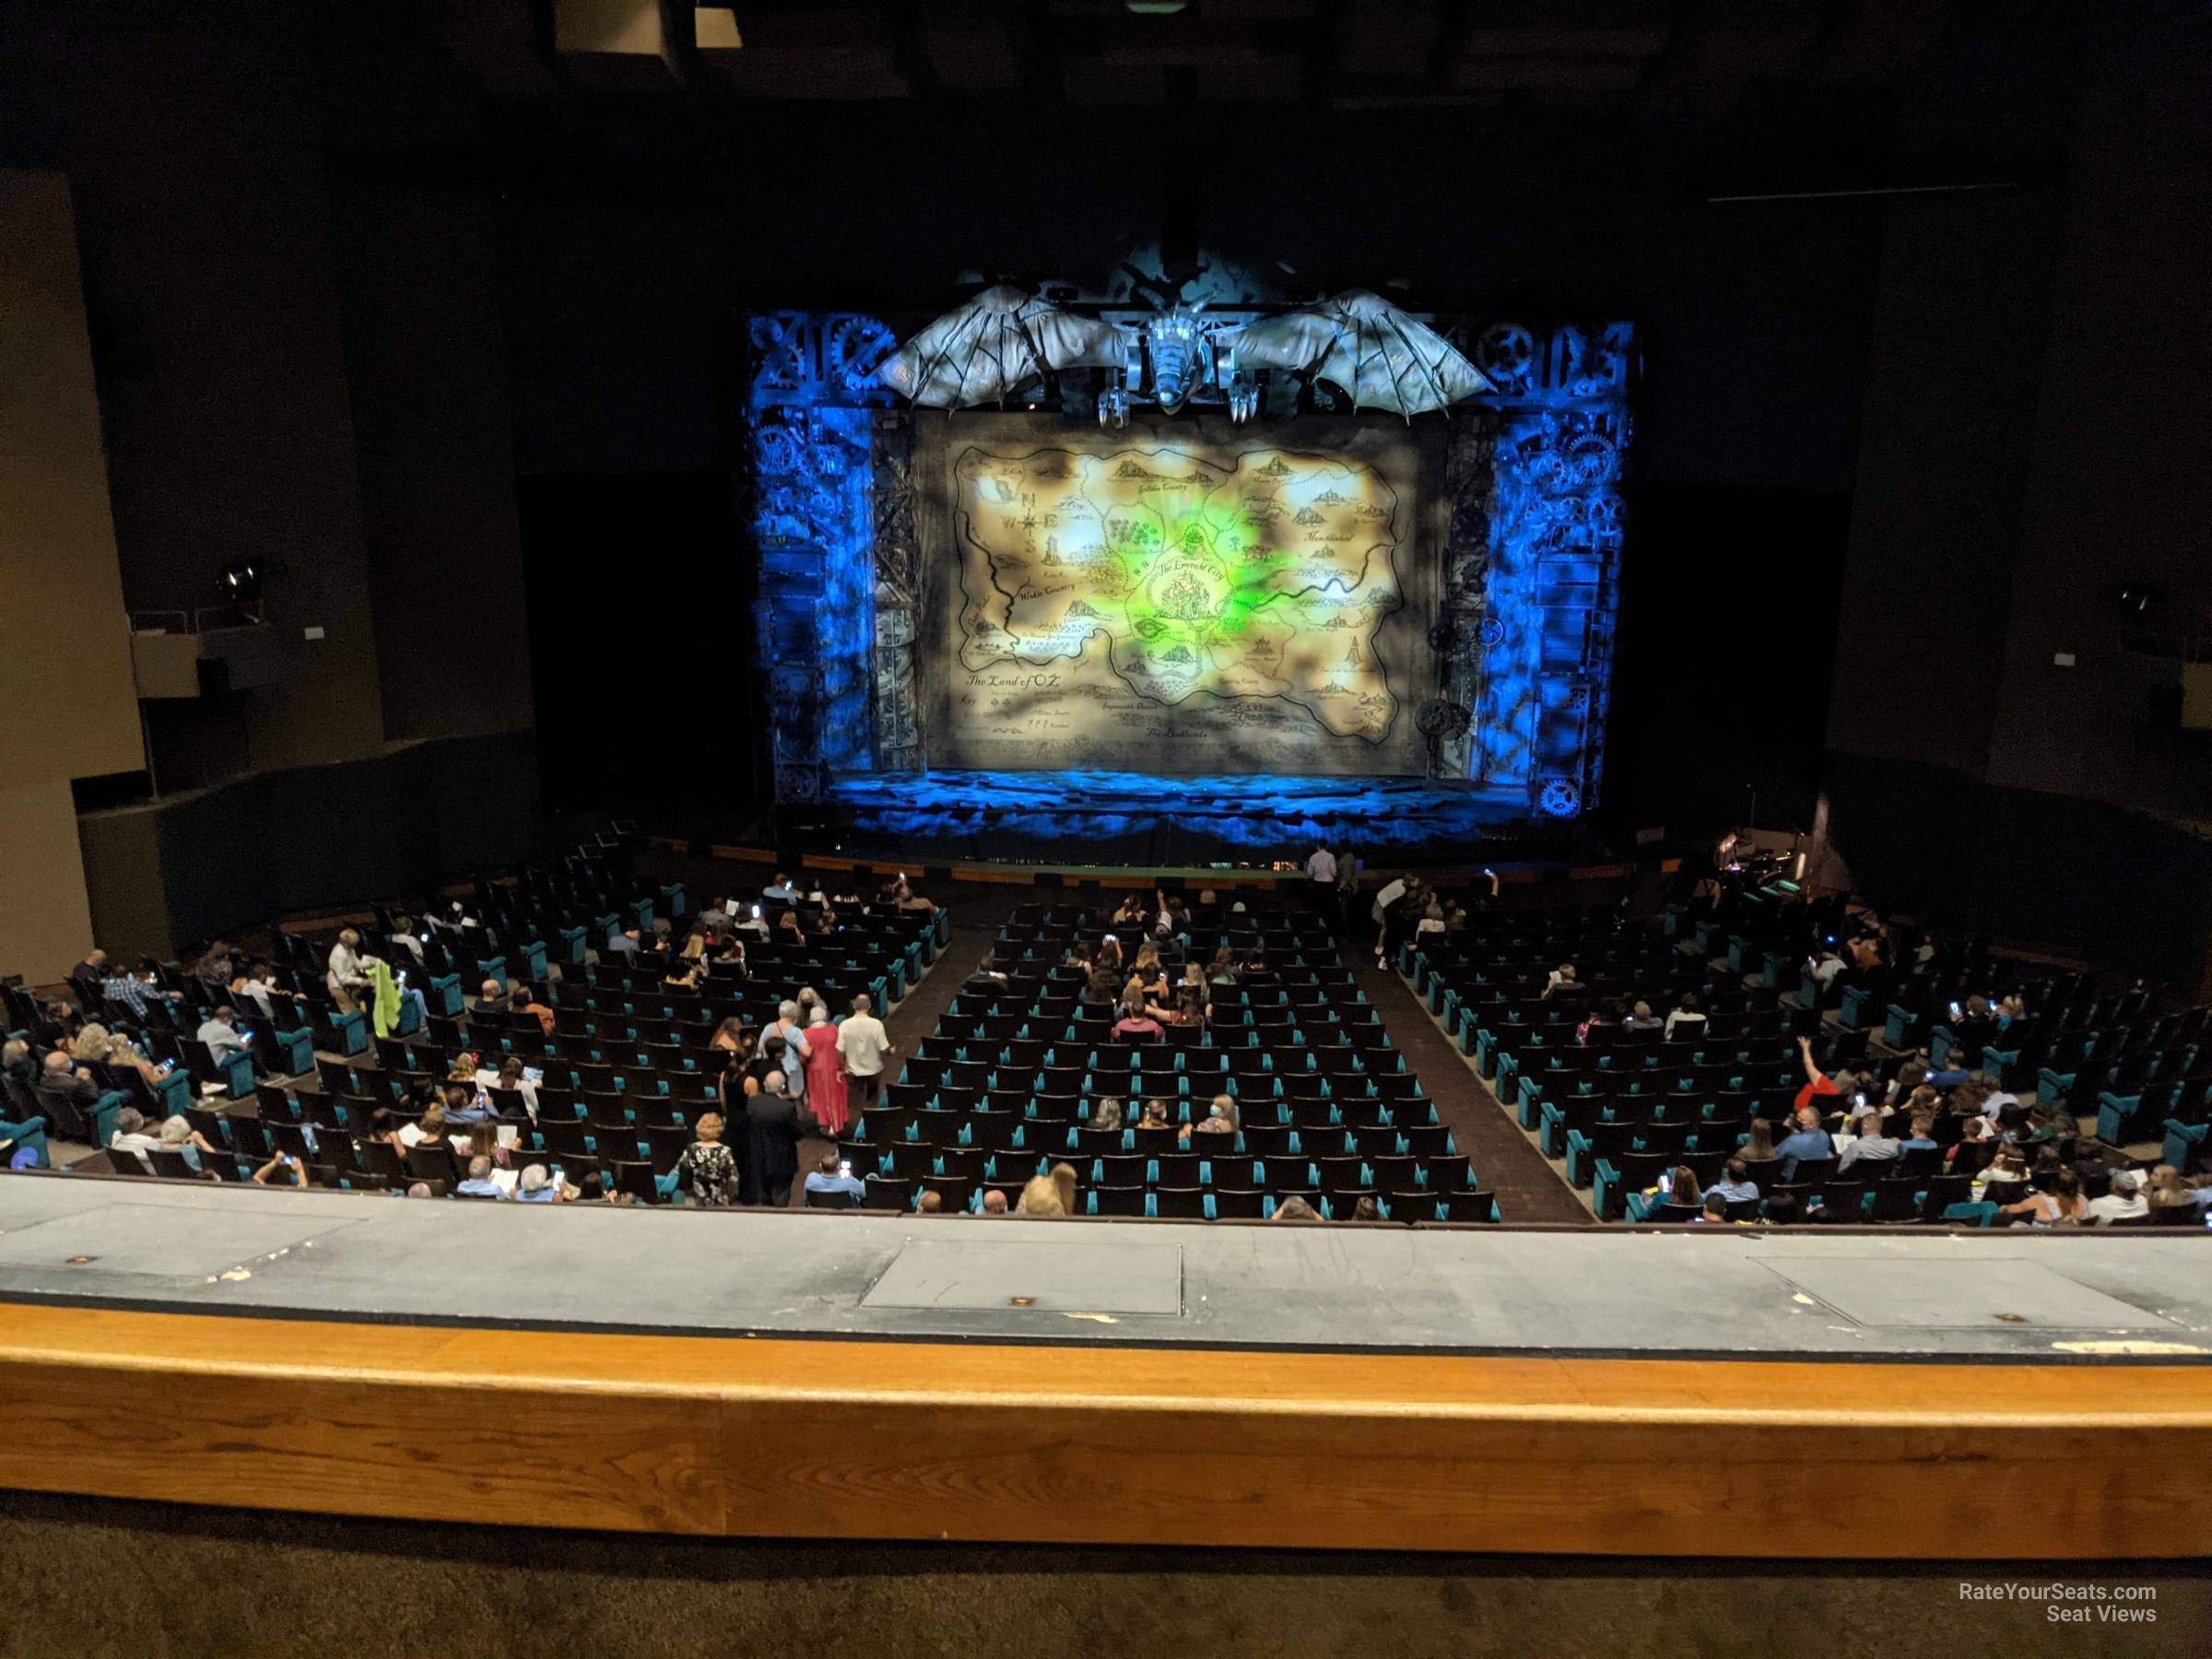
(480, 1183)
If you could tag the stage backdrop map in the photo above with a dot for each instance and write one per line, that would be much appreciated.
(1186, 598)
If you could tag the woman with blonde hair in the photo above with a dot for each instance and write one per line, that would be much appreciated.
(94, 1044)
(1052, 1194)
(711, 1166)
(1220, 1119)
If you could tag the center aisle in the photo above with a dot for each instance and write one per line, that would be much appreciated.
(1527, 1188)
(977, 910)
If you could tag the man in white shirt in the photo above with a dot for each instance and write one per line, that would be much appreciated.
(781, 888)
(130, 1137)
(346, 978)
(1380, 913)
(2123, 1202)
(864, 1043)
(1321, 867)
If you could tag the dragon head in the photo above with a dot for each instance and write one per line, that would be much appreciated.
(1176, 344)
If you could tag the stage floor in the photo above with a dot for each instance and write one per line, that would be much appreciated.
(1135, 819)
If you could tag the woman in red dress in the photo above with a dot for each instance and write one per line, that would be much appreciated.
(826, 1076)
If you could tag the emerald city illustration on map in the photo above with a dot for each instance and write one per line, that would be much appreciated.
(1115, 605)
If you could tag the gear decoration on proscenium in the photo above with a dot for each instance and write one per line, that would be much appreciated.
(854, 350)
(1440, 721)
(1507, 353)
(1559, 798)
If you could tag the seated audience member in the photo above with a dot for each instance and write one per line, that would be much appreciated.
(902, 897)
(492, 999)
(1366, 1209)
(1808, 1141)
(2056, 1201)
(994, 1202)
(1871, 1147)
(829, 1176)
(1106, 1114)
(408, 937)
(480, 1183)
(929, 1204)
(1220, 1119)
(629, 941)
(346, 978)
(468, 1102)
(271, 1001)
(732, 1037)
(1561, 978)
(94, 1044)
(177, 1136)
(284, 1170)
(1759, 1142)
(2123, 1202)
(538, 1187)
(383, 1126)
(1714, 1213)
(1189, 1013)
(419, 1189)
(217, 968)
(1295, 1209)
(1736, 1185)
(1818, 1085)
(1687, 1020)
(1139, 1024)
(1155, 1116)
(519, 1001)
(219, 1033)
(2170, 1190)
(781, 889)
(73, 1085)
(16, 1066)
(1641, 1019)
(711, 1166)
(130, 1139)
(85, 978)
(1052, 1194)
(137, 991)
(1782, 1210)
(429, 1131)
(514, 1083)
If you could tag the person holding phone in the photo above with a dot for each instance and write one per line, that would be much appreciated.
(833, 1174)
(283, 1169)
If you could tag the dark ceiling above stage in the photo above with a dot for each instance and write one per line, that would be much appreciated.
(1686, 59)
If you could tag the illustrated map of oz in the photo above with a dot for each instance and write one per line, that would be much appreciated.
(1119, 605)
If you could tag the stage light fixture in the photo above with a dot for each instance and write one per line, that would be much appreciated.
(1156, 8)
(242, 581)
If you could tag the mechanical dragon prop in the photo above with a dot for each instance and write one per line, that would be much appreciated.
(1005, 342)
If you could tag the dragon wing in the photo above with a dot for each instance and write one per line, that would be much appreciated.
(1000, 341)
(1384, 358)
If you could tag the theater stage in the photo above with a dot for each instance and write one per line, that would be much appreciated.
(1140, 819)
